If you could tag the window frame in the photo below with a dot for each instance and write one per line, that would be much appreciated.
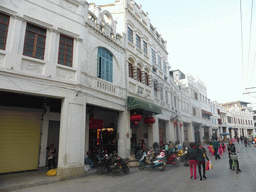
(153, 55)
(146, 78)
(107, 64)
(164, 67)
(159, 62)
(130, 35)
(155, 88)
(130, 70)
(139, 74)
(6, 31)
(65, 49)
(138, 42)
(166, 96)
(36, 42)
(145, 48)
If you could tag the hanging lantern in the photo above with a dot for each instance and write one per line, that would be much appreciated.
(149, 121)
(175, 123)
(180, 125)
(136, 118)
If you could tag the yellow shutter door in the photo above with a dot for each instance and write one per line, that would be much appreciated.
(19, 140)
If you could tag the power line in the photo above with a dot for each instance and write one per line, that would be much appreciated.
(249, 45)
(252, 69)
(242, 42)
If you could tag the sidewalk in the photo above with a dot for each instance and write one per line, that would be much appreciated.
(26, 179)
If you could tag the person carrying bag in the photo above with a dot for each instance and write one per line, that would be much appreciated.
(201, 156)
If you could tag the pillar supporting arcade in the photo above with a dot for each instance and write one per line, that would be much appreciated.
(124, 133)
(72, 138)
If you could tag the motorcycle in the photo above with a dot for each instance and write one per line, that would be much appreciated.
(157, 162)
(172, 159)
(113, 163)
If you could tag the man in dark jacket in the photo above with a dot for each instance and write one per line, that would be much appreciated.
(231, 148)
(216, 145)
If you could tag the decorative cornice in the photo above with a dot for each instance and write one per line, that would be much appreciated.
(70, 34)
(7, 11)
(37, 22)
(105, 36)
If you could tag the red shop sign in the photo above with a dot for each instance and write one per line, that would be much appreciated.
(96, 124)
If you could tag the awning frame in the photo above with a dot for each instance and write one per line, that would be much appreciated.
(135, 103)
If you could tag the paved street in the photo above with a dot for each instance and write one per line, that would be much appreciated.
(221, 178)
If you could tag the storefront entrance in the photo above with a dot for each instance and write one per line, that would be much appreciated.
(162, 133)
(102, 129)
(21, 126)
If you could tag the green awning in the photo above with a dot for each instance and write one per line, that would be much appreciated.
(135, 103)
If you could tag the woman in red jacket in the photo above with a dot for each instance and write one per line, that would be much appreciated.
(192, 154)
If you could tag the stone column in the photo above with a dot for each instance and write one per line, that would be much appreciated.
(232, 133)
(218, 133)
(201, 133)
(181, 132)
(210, 133)
(87, 131)
(134, 70)
(124, 133)
(150, 81)
(191, 134)
(156, 131)
(153, 133)
(238, 132)
(143, 80)
(169, 131)
(72, 138)
(221, 130)
(44, 138)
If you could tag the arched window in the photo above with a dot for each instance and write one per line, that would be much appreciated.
(139, 74)
(130, 70)
(105, 64)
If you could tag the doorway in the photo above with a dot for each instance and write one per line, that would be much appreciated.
(53, 136)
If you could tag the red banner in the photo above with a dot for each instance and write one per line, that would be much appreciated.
(96, 124)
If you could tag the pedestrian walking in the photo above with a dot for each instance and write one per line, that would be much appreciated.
(192, 154)
(186, 144)
(237, 138)
(216, 145)
(201, 156)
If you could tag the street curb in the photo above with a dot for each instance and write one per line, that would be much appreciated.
(55, 180)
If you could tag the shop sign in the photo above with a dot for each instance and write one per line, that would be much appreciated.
(96, 124)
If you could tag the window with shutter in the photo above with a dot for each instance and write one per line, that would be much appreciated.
(105, 64)
(34, 41)
(4, 24)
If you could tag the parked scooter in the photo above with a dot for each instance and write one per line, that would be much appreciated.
(113, 163)
(172, 158)
(157, 162)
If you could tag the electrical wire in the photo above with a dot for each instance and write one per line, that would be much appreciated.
(252, 69)
(242, 42)
(248, 66)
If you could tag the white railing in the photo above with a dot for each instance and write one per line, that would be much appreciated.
(103, 86)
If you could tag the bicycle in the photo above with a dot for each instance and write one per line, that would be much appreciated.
(234, 158)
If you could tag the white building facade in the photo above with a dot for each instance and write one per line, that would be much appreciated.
(74, 74)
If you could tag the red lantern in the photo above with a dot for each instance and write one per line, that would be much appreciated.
(180, 125)
(149, 121)
(175, 123)
(136, 118)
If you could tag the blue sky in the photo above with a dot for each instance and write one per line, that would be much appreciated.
(204, 39)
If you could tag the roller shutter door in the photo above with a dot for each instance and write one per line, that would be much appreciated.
(19, 140)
